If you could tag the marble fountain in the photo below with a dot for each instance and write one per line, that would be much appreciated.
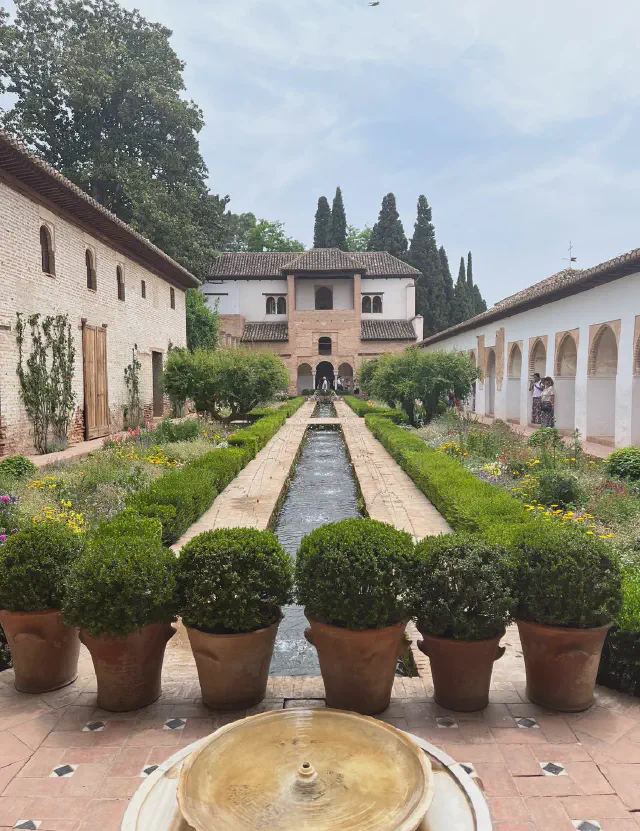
(308, 770)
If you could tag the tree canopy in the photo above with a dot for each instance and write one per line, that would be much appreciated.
(322, 228)
(357, 238)
(338, 231)
(202, 324)
(388, 233)
(431, 298)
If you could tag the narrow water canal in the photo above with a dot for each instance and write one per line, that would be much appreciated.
(324, 409)
(323, 490)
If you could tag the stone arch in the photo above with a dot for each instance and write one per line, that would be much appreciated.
(305, 377)
(566, 357)
(324, 369)
(366, 304)
(514, 366)
(271, 305)
(603, 355)
(281, 306)
(376, 306)
(538, 358)
(345, 371)
(490, 386)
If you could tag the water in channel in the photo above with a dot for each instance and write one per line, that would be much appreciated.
(323, 490)
(324, 409)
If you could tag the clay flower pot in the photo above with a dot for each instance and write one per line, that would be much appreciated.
(129, 670)
(561, 664)
(233, 669)
(461, 670)
(44, 651)
(357, 666)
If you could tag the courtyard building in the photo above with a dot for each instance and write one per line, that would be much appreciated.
(323, 311)
(580, 327)
(63, 253)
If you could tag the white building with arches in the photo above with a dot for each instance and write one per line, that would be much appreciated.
(322, 311)
(582, 328)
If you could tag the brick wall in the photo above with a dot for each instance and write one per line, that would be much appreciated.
(150, 323)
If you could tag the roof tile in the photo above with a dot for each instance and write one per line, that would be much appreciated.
(265, 332)
(387, 330)
(251, 264)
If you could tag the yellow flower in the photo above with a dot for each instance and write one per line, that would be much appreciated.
(590, 533)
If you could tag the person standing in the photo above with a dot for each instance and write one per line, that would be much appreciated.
(536, 386)
(547, 403)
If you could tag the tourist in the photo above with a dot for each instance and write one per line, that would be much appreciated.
(535, 386)
(451, 402)
(325, 385)
(547, 402)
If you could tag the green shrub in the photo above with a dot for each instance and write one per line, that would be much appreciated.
(629, 617)
(565, 577)
(123, 581)
(558, 487)
(168, 431)
(233, 580)
(33, 566)
(362, 408)
(17, 466)
(353, 574)
(624, 463)
(461, 587)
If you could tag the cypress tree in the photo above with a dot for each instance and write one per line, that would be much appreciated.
(462, 302)
(322, 227)
(431, 299)
(469, 271)
(448, 282)
(479, 304)
(338, 230)
(388, 233)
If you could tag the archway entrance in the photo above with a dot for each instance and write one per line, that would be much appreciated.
(514, 375)
(635, 399)
(490, 384)
(601, 392)
(345, 375)
(537, 364)
(565, 383)
(325, 370)
(305, 378)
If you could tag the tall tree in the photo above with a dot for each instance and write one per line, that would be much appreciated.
(388, 233)
(97, 92)
(270, 236)
(476, 299)
(202, 323)
(431, 300)
(462, 302)
(358, 239)
(469, 271)
(322, 229)
(447, 280)
(338, 235)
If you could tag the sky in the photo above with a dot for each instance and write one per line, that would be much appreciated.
(518, 121)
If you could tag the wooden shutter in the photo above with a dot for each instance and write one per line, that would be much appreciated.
(96, 398)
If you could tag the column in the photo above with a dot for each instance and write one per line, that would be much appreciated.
(582, 381)
(335, 379)
(624, 382)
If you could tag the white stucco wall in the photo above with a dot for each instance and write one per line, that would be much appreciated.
(398, 297)
(306, 293)
(245, 297)
(599, 407)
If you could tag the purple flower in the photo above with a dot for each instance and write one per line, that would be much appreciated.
(3, 537)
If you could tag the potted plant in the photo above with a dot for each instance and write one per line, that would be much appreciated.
(232, 583)
(33, 565)
(121, 593)
(352, 579)
(461, 596)
(568, 586)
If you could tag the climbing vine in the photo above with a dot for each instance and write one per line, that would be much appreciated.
(133, 408)
(46, 375)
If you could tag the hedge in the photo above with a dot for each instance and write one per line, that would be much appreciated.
(181, 496)
(362, 408)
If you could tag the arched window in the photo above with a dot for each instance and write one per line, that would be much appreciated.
(603, 360)
(514, 369)
(46, 250)
(324, 346)
(92, 280)
(366, 305)
(377, 305)
(172, 297)
(120, 282)
(324, 298)
(282, 305)
(567, 358)
(271, 305)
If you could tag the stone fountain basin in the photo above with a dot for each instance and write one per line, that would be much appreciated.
(458, 804)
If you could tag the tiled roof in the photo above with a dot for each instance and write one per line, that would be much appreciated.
(250, 264)
(563, 284)
(387, 330)
(265, 332)
(46, 181)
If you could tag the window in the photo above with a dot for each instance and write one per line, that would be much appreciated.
(324, 298)
(377, 305)
(46, 250)
(120, 281)
(282, 305)
(366, 305)
(324, 346)
(143, 288)
(92, 280)
(172, 297)
(271, 305)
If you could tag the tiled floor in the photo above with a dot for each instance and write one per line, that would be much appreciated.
(71, 767)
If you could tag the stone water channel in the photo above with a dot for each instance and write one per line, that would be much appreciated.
(323, 490)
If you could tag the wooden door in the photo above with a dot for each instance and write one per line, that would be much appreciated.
(158, 398)
(96, 398)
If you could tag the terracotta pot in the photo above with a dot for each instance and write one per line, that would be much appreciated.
(129, 670)
(358, 667)
(233, 669)
(561, 664)
(461, 670)
(44, 651)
